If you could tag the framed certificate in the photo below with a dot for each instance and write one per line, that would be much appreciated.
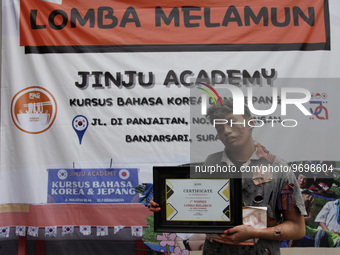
(195, 205)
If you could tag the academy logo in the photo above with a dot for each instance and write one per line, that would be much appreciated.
(62, 174)
(124, 174)
(204, 98)
(318, 105)
(33, 110)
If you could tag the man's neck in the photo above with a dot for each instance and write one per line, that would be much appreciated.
(243, 154)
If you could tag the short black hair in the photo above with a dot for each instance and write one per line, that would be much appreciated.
(309, 177)
(220, 111)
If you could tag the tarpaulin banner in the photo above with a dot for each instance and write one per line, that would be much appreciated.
(93, 88)
(92, 185)
(149, 26)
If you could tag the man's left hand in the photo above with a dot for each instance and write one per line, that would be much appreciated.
(238, 233)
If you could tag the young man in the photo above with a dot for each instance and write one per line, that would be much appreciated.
(329, 220)
(274, 190)
(304, 180)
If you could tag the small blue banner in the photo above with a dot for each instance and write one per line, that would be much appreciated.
(103, 185)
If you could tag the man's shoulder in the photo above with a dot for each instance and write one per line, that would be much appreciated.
(331, 204)
(279, 161)
(328, 207)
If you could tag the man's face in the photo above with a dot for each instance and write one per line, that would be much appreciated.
(302, 181)
(235, 134)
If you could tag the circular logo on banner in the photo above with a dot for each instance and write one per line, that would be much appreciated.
(124, 174)
(62, 174)
(80, 123)
(33, 110)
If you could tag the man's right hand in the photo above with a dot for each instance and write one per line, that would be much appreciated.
(154, 207)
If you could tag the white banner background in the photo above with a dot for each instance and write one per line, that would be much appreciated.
(25, 157)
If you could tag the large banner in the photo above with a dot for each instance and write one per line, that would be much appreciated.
(94, 94)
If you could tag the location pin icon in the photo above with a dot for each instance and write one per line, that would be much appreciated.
(80, 124)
